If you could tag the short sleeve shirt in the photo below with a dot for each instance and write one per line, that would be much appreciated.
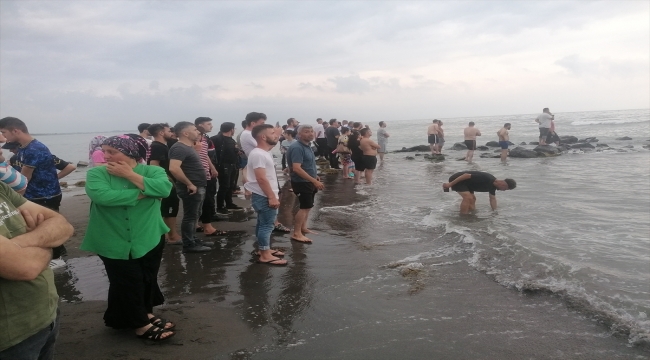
(160, 153)
(59, 164)
(479, 182)
(248, 143)
(44, 183)
(381, 136)
(299, 153)
(190, 164)
(331, 133)
(544, 120)
(259, 158)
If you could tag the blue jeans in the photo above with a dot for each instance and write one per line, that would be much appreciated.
(265, 221)
(39, 346)
(191, 210)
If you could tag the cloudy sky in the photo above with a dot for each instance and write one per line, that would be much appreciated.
(90, 66)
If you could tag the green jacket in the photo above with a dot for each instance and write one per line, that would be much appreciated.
(121, 226)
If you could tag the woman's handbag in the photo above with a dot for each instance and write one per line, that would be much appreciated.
(342, 149)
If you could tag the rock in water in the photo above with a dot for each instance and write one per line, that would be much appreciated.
(418, 154)
(589, 140)
(482, 148)
(547, 150)
(493, 144)
(434, 157)
(63, 184)
(624, 138)
(80, 184)
(523, 143)
(409, 158)
(520, 152)
(415, 148)
(489, 156)
(568, 139)
(628, 147)
(602, 145)
(82, 164)
(458, 146)
(582, 146)
(533, 143)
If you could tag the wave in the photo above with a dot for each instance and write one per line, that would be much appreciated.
(608, 122)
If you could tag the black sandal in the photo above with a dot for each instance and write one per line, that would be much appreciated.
(281, 228)
(155, 334)
(157, 321)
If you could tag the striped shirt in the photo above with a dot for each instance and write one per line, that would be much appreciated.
(11, 177)
(203, 154)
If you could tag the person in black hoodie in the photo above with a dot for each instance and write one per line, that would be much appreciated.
(226, 158)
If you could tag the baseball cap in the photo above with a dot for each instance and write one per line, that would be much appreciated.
(11, 145)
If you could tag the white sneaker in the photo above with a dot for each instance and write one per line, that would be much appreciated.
(57, 263)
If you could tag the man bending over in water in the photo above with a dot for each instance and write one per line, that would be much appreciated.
(465, 183)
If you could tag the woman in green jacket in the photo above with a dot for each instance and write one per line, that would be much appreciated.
(127, 231)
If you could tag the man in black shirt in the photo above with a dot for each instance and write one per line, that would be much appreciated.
(162, 135)
(465, 183)
(332, 134)
(226, 156)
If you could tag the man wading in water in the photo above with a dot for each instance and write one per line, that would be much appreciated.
(465, 183)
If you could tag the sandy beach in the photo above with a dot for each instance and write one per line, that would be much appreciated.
(322, 306)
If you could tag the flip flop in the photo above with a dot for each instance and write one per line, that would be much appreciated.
(302, 241)
(272, 262)
(157, 321)
(155, 334)
(217, 233)
(274, 253)
(281, 228)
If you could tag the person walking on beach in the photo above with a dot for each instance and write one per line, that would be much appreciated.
(465, 183)
(470, 134)
(369, 149)
(205, 147)
(332, 133)
(263, 184)
(304, 180)
(226, 156)
(382, 139)
(35, 162)
(433, 132)
(186, 168)
(169, 205)
(127, 232)
(29, 316)
(321, 140)
(504, 141)
(544, 120)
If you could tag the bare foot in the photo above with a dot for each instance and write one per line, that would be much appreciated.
(301, 238)
(208, 229)
(142, 330)
(271, 260)
(174, 238)
(307, 231)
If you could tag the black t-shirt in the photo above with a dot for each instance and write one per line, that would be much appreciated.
(479, 182)
(190, 164)
(160, 153)
(331, 133)
(225, 149)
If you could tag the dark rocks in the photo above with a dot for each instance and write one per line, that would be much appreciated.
(523, 143)
(492, 144)
(533, 143)
(415, 148)
(582, 146)
(418, 154)
(82, 164)
(568, 139)
(409, 158)
(520, 152)
(434, 157)
(80, 184)
(602, 145)
(489, 156)
(624, 138)
(628, 147)
(588, 140)
(482, 148)
(547, 150)
(458, 146)
(63, 184)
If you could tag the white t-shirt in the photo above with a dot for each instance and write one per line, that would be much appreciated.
(319, 130)
(545, 120)
(259, 158)
(248, 143)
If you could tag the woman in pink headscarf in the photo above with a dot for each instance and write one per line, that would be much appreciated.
(95, 153)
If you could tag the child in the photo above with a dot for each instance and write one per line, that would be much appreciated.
(11, 177)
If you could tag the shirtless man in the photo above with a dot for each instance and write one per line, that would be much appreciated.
(433, 134)
(504, 141)
(471, 133)
(369, 149)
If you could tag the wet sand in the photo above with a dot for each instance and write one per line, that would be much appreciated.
(337, 299)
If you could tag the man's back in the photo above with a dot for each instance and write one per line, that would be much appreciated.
(44, 182)
(544, 120)
(432, 129)
(248, 143)
(331, 134)
(471, 133)
(319, 131)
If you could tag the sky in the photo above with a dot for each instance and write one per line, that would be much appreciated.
(70, 66)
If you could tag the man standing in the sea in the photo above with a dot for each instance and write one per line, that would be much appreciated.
(465, 183)
(544, 120)
(504, 141)
(470, 133)
(433, 132)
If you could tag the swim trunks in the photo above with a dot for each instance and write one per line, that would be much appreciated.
(306, 192)
(504, 145)
(369, 162)
(471, 144)
(543, 132)
(433, 139)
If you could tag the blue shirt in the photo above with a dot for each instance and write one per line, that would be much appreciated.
(301, 153)
(44, 183)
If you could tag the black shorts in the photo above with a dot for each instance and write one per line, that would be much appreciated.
(358, 161)
(306, 192)
(471, 144)
(369, 162)
(543, 132)
(433, 139)
(461, 187)
(169, 205)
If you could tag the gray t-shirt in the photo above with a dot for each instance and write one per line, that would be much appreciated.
(190, 164)
(303, 154)
(381, 136)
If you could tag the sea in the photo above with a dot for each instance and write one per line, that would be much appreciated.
(576, 227)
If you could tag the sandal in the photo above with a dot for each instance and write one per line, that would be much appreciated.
(272, 262)
(281, 228)
(157, 321)
(217, 233)
(275, 253)
(155, 334)
(199, 229)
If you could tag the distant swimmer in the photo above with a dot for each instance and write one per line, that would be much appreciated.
(465, 183)
(504, 141)
(433, 136)
(470, 133)
(544, 120)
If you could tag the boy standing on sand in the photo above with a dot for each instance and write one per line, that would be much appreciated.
(471, 133)
(504, 141)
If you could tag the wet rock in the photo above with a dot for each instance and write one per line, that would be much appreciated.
(582, 146)
(646, 146)
(568, 139)
(547, 150)
(418, 154)
(80, 183)
(415, 148)
(520, 152)
(533, 143)
(82, 164)
(602, 145)
(588, 140)
(482, 148)
(490, 156)
(63, 184)
(409, 158)
(628, 147)
(434, 157)
(493, 144)
(523, 143)
(624, 138)
(458, 146)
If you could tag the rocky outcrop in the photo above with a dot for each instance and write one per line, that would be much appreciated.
(435, 157)
(589, 140)
(602, 145)
(547, 150)
(568, 139)
(82, 164)
(523, 143)
(489, 156)
(482, 148)
(409, 158)
(582, 146)
(458, 146)
(520, 152)
(415, 148)
(624, 138)
(494, 144)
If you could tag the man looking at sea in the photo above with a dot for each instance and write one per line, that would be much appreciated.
(470, 133)
(433, 133)
(465, 183)
(544, 120)
(504, 141)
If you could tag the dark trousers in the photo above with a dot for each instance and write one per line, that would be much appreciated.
(227, 182)
(284, 161)
(208, 210)
(38, 346)
(133, 289)
(53, 203)
(323, 148)
(334, 160)
(191, 209)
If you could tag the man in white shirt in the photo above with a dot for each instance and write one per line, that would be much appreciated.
(263, 184)
(544, 120)
(321, 140)
(248, 143)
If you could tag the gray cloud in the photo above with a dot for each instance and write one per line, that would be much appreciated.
(350, 84)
